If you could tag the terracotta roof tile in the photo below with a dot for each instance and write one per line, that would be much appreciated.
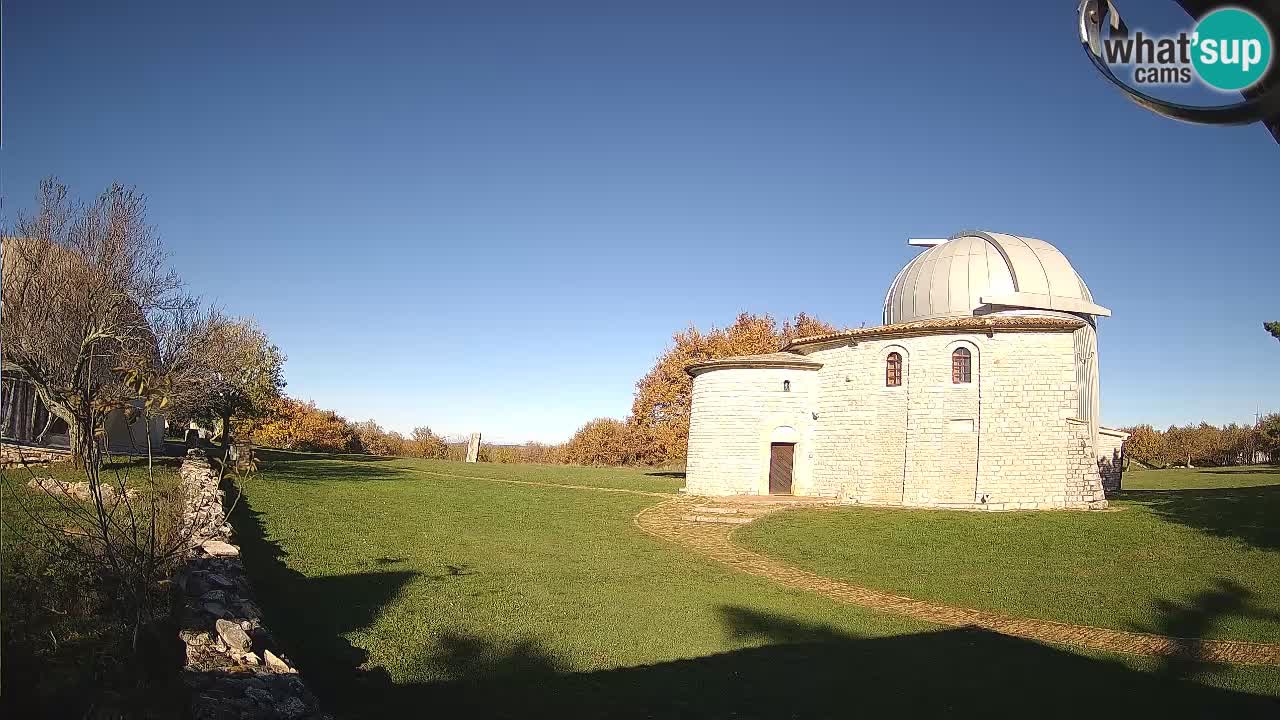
(766, 360)
(791, 357)
(987, 324)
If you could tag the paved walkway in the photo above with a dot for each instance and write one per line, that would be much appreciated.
(706, 525)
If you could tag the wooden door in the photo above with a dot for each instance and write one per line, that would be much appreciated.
(781, 461)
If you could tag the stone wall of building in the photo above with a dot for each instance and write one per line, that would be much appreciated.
(233, 667)
(736, 414)
(1111, 458)
(1009, 439)
(1002, 441)
(860, 437)
(1036, 452)
(135, 437)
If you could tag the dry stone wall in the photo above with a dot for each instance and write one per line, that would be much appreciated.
(233, 665)
(12, 454)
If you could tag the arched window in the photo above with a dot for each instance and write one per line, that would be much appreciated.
(893, 370)
(961, 366)
(786, 386)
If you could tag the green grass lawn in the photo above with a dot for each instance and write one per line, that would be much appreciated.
(1192, 553)
(1202, 478)
(64, 650)
(405, 588)
(25, 512)
(316, 467)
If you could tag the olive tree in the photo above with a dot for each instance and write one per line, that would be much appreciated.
(94, 320)
(83, 285)
(241, 374)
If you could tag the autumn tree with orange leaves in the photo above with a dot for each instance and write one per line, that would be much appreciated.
(660, 412)
(295, 425)
(602, 442)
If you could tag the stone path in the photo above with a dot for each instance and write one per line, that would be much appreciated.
(706, 525)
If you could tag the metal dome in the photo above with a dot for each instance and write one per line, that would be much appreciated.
(980, 273)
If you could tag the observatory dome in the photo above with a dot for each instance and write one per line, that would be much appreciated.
(983, 273)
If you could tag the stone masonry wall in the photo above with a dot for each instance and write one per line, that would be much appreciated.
(736, 414)
(860, 437)
(1035, 453)
(231, 666)
(1008, 440)
(1003, 441)
(12, 454)
(1111, 459)
(913, 444)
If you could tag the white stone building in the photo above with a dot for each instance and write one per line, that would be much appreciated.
(979, 391)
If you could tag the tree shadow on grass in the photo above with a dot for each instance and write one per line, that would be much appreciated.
(309, 616)
(800, 670)
(787, 667)
(276, 454)
(1245, 513)
(305, 468)
(1194, 619)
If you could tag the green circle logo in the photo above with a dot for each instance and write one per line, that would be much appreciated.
(1231, 49)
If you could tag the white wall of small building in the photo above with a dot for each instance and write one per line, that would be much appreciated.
(736, 414)
(132, 437)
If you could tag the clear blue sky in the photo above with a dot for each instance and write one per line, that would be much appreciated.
(492, 216)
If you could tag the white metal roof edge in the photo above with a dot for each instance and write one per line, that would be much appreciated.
(1038, 301)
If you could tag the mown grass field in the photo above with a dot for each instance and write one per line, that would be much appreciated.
(1189, 553)
(404, 588)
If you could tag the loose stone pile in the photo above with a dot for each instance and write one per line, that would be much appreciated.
(76, 490)
(230, 666)
(12, 455)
